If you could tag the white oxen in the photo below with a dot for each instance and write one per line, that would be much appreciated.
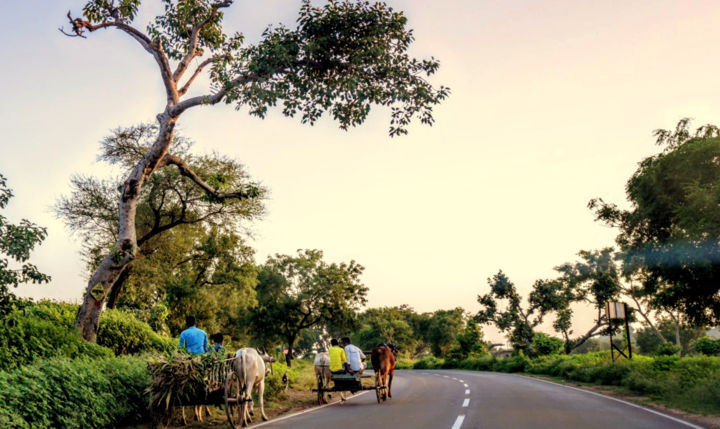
(251, 368)
(323, 374)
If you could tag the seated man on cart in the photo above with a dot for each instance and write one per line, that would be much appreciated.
(355, 357)
(338, 359)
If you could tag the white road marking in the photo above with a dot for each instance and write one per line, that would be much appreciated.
(445, 376)
(309, 410)
(461, 381)
(466, 385)
(467, 391)
(649, 410)
(466, 402)
(454, 378)
(458, 422)
(688, 424)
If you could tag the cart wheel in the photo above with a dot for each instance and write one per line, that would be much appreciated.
(233, 407)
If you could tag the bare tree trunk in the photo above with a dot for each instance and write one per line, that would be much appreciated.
(657, 333)
(117, 286)
(289, 356)
(124, 251)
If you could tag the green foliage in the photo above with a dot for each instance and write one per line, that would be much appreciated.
(671, 233)
(667, 349)
(298, 292)
(708, 346)
(79, 393)
(648, 342)
(443, 328)
(429, 362)
(124, 334)
(516, 322)
(16, 243)
(543, 344)
(45, 329)
(40, 332)
(390, 325)
(181, 233)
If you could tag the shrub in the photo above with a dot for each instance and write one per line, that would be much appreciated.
(26, 337)
(429, 362)
(708, 346)
(125, 334)
(543, 344)
(667, 349)
(402, 363)
(77, 393)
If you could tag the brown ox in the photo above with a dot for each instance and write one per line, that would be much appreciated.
(383, 362)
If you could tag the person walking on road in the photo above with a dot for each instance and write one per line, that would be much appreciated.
(192, 339)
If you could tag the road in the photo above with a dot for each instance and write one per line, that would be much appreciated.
(474, 400)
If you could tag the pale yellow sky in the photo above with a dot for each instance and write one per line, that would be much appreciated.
(553, 103)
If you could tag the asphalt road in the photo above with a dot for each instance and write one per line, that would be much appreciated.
(473, 400)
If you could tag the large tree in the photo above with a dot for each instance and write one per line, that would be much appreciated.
(593, 281)
(671, 233)
(341, 58)
(16, 243)
(388, 325)
(503, 306)
(296, 293)
(168, 201)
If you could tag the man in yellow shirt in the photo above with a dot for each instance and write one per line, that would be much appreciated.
(337, 357)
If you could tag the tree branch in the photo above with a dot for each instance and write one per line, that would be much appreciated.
(186, 171)
(79, 26)
(196, 73)
(194, 37)
(211, 99)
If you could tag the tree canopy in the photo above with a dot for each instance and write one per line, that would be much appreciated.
(670, 237)
(341, 58)
(295, 293)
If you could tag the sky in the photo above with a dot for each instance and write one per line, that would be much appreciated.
(553, 103)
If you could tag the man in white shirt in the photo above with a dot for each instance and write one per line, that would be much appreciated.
(355, 356)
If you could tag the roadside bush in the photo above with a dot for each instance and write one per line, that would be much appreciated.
(79, 393)
(429, 362)
(667, 349)
(125, 334)
(543, 344)
(708, 346)
(403, 363)
(25, 337)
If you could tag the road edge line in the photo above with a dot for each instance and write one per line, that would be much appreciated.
(309, 410)
(649, 410)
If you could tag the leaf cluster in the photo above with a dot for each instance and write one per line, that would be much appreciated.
(16, 243)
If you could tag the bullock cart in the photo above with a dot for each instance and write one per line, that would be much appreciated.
(199, 381)
(347, 383)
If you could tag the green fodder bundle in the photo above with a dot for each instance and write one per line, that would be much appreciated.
(182, 379)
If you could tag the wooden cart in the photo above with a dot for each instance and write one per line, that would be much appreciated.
(222, 388)
(348, 383)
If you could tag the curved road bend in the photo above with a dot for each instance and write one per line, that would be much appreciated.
(474, 400)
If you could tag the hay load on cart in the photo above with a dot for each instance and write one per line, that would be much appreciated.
(183, 380)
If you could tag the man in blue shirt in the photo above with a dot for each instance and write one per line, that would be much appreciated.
(192, 339)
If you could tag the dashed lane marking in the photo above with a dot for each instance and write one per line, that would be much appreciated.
(458, 422)
(466, 385)
(467, 391)
(466, 402)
